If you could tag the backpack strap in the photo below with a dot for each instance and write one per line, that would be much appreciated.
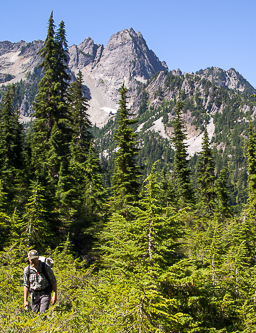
(49, 288)
(44, 272)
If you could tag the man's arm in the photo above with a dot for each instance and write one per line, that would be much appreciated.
(53, 282)
(25, 296)
(26, 285)
(54, 296)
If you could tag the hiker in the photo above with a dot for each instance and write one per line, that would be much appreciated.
(39, 279)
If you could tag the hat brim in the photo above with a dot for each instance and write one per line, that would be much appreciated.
(33, 257)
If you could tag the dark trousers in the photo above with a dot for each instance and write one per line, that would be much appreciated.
(40, 303)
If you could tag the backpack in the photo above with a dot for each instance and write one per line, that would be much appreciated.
(48, 261)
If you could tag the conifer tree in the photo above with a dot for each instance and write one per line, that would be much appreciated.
(87, 199)
(223, 195)
(181, 170)
(35, 224)
(81, 124)
(5, 225)
(62, 76)
(95, 194)
(167, 185)
(11, 145)
(205, 175)
(72, 186)
(62, 117)
(45, 103)
(251, 157)
(126, 172)
(51, 128)
(248, 225)
(137, 254)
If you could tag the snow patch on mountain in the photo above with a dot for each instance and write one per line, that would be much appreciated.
(108, 110)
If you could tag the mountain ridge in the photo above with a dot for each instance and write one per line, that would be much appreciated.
(126, 58)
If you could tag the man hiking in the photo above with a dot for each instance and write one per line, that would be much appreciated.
(39, 279)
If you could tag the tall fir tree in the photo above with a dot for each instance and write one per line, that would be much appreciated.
(181, 169)
(62, 71)
(251, 158)
(45, 104)
(51, 128)
(248, 219)
(125, 186)
(11, 146)
(81, 124)
(205, 175)
(63, 116)
(87, 199)
(223, 194)
(71, 190)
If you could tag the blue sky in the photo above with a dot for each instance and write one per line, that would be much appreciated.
(187, 34)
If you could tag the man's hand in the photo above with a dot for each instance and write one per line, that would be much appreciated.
(25, 297)
(54, 298)
(26, 305)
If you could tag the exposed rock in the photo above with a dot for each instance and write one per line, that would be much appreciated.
(19, 59)
(7, 46)
(230, 79)
(186, 86)
(31, 49)
(6, 77)
(84, 54)
(195, 142)
(159, 128)
(125, 58)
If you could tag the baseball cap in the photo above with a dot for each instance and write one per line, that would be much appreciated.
(33, 254)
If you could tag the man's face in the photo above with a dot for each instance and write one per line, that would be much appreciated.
(34, 262)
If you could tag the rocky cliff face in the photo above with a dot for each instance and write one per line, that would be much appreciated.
(86, 53)
(230, 79)
(18, 59)
(126, 57)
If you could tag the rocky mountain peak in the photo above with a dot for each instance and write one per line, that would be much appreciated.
(126, 57)
(87, 45)
(18, 59)
(230, 79)
(84, 54)
(7, 46)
